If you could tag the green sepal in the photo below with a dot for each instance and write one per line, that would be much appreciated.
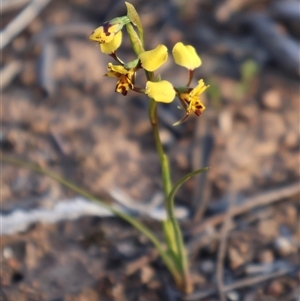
(131, 65)
(120, 20)
(183, 89)
(135, 40)
(158, 78)
(135, 19)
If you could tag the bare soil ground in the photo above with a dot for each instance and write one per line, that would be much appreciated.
(58, 111)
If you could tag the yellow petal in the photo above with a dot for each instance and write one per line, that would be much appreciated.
(104, 33)
(162, 91)
(199, 89)
(116, 68)
(153, 59)
(112, 46)
(186, 56)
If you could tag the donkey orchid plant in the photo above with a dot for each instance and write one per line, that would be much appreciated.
(109, 37)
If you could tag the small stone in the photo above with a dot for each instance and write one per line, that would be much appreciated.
(291, 213)
(251, 296)
(284, 246)
(225, 122)
(126, 248)
(275, 288)
(32, 257)
(167, 139)
(251, 269)
(266, 148)
(40, 126)
(207, 266)
(268, 228)
(235, 258)
(233, 296)
(271, 99)
(118, 292)
(154, 284)
(272, 126)
(291, 139)
(266, 256)
(7, 252)
(182, 160)
(198, 279)
(147, 274)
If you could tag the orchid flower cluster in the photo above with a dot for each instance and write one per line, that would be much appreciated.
(109, 37)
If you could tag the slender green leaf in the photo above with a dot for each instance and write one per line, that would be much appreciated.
(134, 222)
(179, 183)
(182, 256)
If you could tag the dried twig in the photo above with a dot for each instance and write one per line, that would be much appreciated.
(254, 280)
(46, 77)
(203, 144)
(223, 246)
(9, 72)
(281, 47)
(9, 5)
(262, 199)
(137, 264)
(245, 282)
(21, 21)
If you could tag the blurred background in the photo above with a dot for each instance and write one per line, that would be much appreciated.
(60, 112)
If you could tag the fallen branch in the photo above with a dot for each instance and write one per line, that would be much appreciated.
(223, 246)
(21, 21)
(260, 200)
(254, 280)
(9, 72)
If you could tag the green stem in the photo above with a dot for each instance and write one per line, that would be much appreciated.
(135, 223)
(178, 254)
(172, 231)
(164, 162)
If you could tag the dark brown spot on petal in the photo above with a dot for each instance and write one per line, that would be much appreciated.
(106, 26)
(124, 90)
(197, 112)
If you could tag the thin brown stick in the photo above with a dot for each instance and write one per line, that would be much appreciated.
(9, 72)
(245, 282)
(10, 5)
(254, 280)
(201, 193)
(262, 199)
(223, 247)
(21, 21)
(137, 264)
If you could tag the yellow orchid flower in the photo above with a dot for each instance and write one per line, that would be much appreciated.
(125, 77)
(190, 100)
(153, 59)
(162, 91)
(105, 33)
(186, 56)
(111, 47)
